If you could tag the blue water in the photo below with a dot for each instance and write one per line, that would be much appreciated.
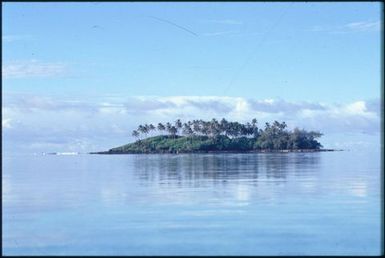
(200, 204)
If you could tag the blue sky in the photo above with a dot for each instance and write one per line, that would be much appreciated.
(81, 76)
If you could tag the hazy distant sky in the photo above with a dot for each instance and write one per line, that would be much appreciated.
(81, 76)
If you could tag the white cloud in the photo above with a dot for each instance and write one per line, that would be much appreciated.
(358, 107)
(352, 27)
(363, 26)
(102, 123)
(33, 68)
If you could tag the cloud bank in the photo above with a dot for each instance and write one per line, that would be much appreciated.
(44, 123)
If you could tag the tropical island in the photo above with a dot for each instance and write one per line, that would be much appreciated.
(199, 136)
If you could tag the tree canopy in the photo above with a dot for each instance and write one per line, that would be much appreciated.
(226, 135)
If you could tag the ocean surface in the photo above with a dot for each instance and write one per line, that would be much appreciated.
(326, 203)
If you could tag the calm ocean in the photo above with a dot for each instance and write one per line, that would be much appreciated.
(326, 203)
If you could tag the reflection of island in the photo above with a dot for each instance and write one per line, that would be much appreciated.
(213, 136)
(194, 170)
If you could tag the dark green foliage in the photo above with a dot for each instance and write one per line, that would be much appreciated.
(179, 144)
(220, 136)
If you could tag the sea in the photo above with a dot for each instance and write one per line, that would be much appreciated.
(320, 203)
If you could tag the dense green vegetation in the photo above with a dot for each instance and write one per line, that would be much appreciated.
(203, 136)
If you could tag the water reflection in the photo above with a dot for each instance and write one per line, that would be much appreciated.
(199, 170)
(62, 182)
(153, 202)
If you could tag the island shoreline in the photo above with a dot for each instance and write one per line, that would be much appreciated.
(220, 152)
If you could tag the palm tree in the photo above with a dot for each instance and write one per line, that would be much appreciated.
(168, 127)
(141, 129)
(248, 129)
(146, 129)
(255, 128)
(234, 129)
(196, 127)
(151, 127)
(205, 127)
(214, 128)
(187, 129)
(178, 124)
(135, 133)
(224, 126)
(173, 131)
(161, 127)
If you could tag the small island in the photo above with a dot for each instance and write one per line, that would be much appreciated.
(199, 136)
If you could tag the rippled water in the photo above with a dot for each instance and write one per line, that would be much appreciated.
(196, 204)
